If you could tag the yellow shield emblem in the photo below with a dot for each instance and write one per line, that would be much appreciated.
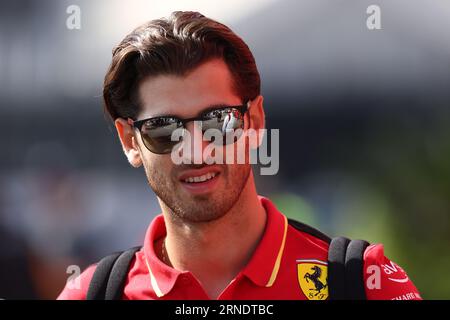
(313, 279)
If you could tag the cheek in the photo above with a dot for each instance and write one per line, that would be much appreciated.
(236, 153)
(158, 168)
(235, 173)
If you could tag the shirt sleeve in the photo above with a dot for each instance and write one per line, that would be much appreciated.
(384, 279)
(76, 288)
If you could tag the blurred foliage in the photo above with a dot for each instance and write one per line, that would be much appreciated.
(412, 167)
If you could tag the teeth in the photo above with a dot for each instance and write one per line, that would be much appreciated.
(202, 178)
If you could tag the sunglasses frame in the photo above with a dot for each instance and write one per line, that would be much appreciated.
(139, 123)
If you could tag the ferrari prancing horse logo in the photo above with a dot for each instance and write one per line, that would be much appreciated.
(313, 280)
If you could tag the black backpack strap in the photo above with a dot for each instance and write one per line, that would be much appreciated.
(336, 268)
(345, 269)
(97, 286)
(101, 279)
(119, 274)
(354, 273)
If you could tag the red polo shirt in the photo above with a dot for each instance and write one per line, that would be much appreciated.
(287, 264)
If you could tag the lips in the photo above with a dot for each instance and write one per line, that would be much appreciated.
(200, 181)
(199, 175)
(201, 178)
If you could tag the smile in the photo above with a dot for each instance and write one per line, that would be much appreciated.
(201, 178)
(201, 181)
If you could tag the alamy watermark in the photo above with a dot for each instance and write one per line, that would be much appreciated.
(234, 147)
(74, 280)
(373, 21)
(73, 21)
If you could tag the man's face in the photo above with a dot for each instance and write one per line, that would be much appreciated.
(185, 97)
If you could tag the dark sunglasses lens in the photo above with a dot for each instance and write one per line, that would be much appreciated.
(157, 134)
(226, 120)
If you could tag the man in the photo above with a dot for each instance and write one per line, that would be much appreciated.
(216, 237)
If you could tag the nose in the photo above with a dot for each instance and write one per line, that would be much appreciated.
(193, 144)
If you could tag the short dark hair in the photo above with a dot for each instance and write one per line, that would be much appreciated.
(175, 45)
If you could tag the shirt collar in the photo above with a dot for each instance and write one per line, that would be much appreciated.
(262, 268)
(162, 277)
(264, 265)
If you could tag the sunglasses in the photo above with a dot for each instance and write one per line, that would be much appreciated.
(156, 132)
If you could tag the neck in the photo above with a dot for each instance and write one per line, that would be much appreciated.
(216, 251)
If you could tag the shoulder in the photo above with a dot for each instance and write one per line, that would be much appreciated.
(76, 287)
(304, 243)
(308, 238)
(384, 279)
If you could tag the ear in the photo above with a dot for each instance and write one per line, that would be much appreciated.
(128, 140)
(257, 121)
